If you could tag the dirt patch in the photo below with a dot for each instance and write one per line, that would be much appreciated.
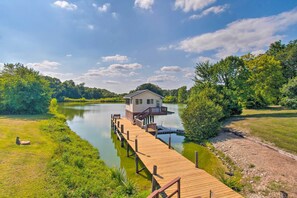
(266, 171)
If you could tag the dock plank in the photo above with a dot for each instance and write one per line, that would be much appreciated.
(151, 151)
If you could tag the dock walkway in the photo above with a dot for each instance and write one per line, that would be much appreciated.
(170, 164)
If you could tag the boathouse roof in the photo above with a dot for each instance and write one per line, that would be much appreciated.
(133, 94)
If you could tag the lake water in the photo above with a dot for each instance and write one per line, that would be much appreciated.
(92, 123)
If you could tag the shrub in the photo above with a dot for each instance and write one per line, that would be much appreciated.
(201, 119)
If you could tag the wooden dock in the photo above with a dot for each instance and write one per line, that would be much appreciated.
(168, 164)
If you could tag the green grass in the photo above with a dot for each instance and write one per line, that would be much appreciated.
(24, 168)
(206, 159)
(58, 163)
(275, 125)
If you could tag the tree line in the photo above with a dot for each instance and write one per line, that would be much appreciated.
(222, 89)
(25, 91)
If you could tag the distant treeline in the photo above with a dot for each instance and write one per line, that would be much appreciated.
(68, 89)
(179, 95)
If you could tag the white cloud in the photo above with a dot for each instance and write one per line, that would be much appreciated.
(115, 15)
(162, 48)
(144, 4)
(104, 8)
(161, 78)
(115, 70)
(61, 76)
(65, 5)
(189, 5)
(68, 55)
(214, 10)
(171, 69)
(241, 36)
(115, 58)
(111, 82)
(190, 75)
(94, 5)
(44, 65)
(91, 27)
(258, 52)
(205, 58)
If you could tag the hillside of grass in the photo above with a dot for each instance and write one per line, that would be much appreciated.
(24, 168)
(58, 163)
(274, 125)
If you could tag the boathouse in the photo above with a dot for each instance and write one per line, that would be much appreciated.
(143, 105)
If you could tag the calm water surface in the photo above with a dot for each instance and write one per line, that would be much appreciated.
(92, 123)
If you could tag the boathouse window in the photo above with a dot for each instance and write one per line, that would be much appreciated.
(138, 101)
(150, 101)
(127, 101)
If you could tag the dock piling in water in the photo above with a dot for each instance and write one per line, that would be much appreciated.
(196, 159)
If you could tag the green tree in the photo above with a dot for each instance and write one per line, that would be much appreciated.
(204, 73)
(287, 55)
(23, 91)
(182, 95)
(169, 99)
(202, 115)
(289, 93)
(154, 88)
(265, 78)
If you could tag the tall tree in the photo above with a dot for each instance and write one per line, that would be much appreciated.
(266, 78)
(23, 91)
(182, 94)
(151, 87)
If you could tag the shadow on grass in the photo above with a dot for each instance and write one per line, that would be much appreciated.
(27, 117)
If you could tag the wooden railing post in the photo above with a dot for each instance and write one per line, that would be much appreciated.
(154, 183)
(196, 159)
(155, 170)
(128, 135)
(156, 134)
(136, 145)
(122, 128)
(178, 188)
(118, 124)
(169, 142)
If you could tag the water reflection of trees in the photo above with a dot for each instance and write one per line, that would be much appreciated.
(70, 113)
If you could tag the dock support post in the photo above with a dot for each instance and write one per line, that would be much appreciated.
(136, 145)
(154, 183)
(210, 194)
(128, 135)
(128, 149)
(122, 128)
(196, 159)
(136, 163)
(122, 142)
(169, 142)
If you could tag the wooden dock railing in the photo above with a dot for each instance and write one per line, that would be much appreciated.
(156, 193)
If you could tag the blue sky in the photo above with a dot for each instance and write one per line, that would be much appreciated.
(118, 45)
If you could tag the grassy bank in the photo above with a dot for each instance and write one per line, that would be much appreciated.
(101, 100)
(58, 163)
(275, 125)
(24, 168)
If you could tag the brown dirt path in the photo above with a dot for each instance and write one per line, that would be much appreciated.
(266, 171)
